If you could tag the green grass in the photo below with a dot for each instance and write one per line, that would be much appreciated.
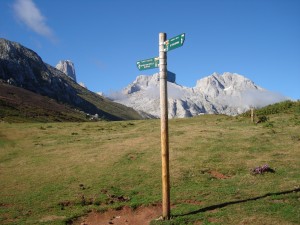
(53, 172)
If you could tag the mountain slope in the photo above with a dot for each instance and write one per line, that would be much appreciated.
(22, 67)
(20, 105)
(225, 93)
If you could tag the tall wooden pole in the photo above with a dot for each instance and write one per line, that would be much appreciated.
(252, 114)
(164, 127)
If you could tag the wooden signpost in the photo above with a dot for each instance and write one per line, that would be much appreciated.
(164, 128)
(252, 114)
(161, 62)
(147, 63)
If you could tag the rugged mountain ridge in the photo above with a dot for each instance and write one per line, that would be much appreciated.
(227, 93)
(22, 67)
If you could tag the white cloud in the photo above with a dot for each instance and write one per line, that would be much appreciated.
(253, 98)
(116, 95)
(152, 91)
(29, 14)
(262, 98)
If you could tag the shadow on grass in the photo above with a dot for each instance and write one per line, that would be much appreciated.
(222, 205)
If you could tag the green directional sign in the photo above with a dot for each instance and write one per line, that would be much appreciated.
(174, 42)
(148, 63)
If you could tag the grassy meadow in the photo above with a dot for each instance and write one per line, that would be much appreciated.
(51, 173)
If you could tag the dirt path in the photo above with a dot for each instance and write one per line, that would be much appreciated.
(139, 216)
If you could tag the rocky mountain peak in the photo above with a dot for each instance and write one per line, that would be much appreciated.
(67, 67)
(14, 51)
(225, 83)
(19, 64)
(144, 81)
(227, 93)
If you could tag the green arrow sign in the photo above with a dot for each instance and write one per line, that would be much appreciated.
(174, 42)
(148, 63)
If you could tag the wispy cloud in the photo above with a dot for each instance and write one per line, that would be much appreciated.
(116, 95)
(262, 98)
(29, 14)
(253, 98)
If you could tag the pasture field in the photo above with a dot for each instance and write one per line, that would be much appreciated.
(52, 173)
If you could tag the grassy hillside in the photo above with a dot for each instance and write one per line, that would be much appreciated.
(51, 173)
(116, 110)
(20, 105)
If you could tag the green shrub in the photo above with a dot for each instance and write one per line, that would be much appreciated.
(262, 119)
(280, 107)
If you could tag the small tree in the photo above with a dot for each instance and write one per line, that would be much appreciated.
(262, 119)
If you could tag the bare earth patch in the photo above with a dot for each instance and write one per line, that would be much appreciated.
(51, 218)
(140, 216)
(218, 175)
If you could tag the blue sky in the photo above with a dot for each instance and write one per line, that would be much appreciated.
(259, 39)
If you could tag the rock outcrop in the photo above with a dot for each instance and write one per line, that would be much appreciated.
(22, 67)
(67, 67)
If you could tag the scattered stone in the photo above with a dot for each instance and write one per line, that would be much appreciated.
(262, 169)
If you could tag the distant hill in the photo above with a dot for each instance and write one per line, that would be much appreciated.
(23, 68)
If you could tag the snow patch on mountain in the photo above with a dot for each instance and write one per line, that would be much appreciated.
(227, 93)
(82, 85)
